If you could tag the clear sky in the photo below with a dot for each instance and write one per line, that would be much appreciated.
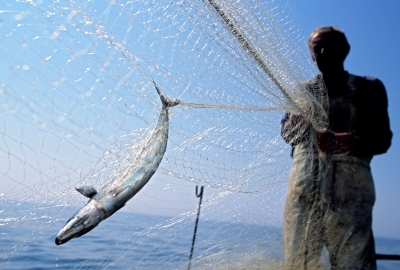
(372, 29)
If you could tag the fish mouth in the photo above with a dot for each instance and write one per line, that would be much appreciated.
(73, 232)
(81, 223)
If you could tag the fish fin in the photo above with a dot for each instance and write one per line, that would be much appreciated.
(87, 191)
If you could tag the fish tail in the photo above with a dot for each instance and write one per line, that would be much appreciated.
(165, 100)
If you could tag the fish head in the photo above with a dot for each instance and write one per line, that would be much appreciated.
(81, 223)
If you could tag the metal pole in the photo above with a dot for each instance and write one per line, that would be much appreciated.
(200, 195)
(387, 257)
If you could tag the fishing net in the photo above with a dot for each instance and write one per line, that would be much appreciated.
(77, 101)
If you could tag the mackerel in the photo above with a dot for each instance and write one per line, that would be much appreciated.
(114, 196)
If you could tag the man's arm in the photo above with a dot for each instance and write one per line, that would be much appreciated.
(372, 135)
(373, 131)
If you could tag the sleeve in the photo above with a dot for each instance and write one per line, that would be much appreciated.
(294, 128)
(373, 131)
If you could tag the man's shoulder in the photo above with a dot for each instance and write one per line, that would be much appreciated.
(316, 83)
(366, 79)
(368, 85)
(369, 78)
(315, 80)
(367, 82)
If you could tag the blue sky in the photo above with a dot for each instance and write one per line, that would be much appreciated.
(372, 29)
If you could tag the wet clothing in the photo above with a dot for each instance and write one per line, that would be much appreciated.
(330, 207)
(331, 196)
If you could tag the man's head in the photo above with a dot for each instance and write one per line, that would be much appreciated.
(329, 48)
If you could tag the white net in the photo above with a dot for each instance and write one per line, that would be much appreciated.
(77, 100)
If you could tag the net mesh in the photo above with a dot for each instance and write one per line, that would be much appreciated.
(77, 101)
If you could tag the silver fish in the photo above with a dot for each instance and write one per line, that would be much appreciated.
(113, 196)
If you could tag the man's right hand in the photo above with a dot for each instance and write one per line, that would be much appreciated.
(294, 128)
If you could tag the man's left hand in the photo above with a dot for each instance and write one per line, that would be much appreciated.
(330, 142)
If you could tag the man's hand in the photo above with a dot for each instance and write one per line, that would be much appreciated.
(294, 128)
(296, 122)
(338, 143)
(326, 141)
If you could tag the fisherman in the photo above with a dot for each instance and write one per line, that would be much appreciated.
(331, 204)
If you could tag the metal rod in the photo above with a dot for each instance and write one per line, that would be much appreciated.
(387, 257)
(198, 195)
